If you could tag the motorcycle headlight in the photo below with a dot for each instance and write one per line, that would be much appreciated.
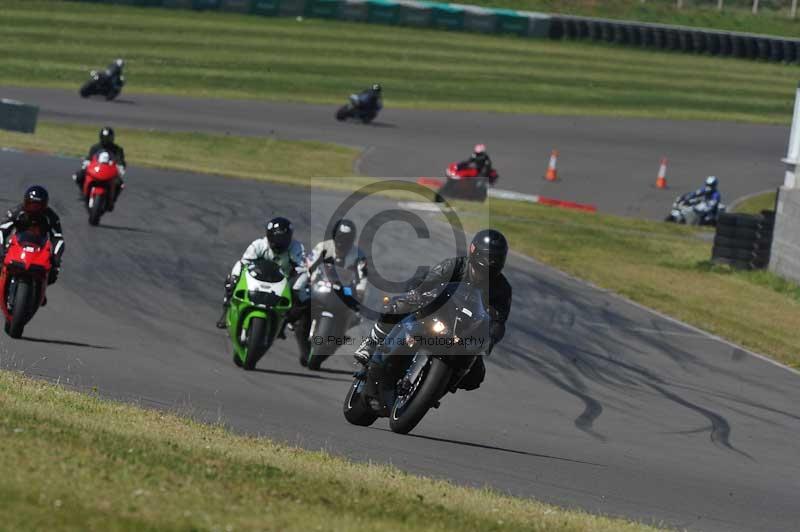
(438, 327)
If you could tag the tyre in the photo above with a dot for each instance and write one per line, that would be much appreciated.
(23, 303)
(727, 231)
(86, 90)
(343, 113)
(320, 351)
(256, 342)
(355, 409)
(725, 242)
(748, 220)
(434, 381)
(96, 209)
(724, 252)
(726, 219)
(744, 254)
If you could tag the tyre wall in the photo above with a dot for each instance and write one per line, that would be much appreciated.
(458, 17)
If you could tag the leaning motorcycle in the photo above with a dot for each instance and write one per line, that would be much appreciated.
(425, 356)
(357, 109)
(259, 303)
(332, 311)
(100, 185)
(23, 279)
(466, 183)
(100, 82)
(684, 211)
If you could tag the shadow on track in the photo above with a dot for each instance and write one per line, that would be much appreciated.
(336, 371)
(297, 374)
(64, 342)
(124, 228)
(494, 448)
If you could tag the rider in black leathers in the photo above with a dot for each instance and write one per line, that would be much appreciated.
(479, 160)
(34, 212)
(369, 100)
(483, 267)
(116, 152)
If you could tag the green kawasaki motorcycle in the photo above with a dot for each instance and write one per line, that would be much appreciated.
(259, 303)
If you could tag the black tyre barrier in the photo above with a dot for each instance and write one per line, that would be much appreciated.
(583, 29)
(622, 34)
(699, 41)
(737, 46)
(659, 38)
(608, 32)
(775, 51)
(686, 41)
(570, 29)
(648, 37)
(557, 28)
(727, 219)
(672, 40)
(751, 47)
(713, 43)
(725, 45)
(732, 242)
(636, 35)
(789, 52)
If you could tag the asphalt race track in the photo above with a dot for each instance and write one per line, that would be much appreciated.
(610, 163)
(590, 401)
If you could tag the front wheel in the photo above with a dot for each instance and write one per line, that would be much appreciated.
(319, 348)
(343, 113)
(256, 342)
(86, 89)
(409, 410)
(356, 411)
(23, 302)
(111, 94)
(96, 208)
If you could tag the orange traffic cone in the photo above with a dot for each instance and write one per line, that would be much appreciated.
(661, 180)
(552, 173)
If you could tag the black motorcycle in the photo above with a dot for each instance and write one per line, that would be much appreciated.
(360, 109)
(105, 83)
(332, 312)
(425, 356)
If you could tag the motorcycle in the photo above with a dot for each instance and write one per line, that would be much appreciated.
(23, 279)
(684, 211)
(103, 83)
(100, 185)
(259, 303)
(358, 109)
(425, 356)
(332, 313)
(465, 183)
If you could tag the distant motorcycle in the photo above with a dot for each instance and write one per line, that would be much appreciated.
(332, 313)
(100, 185)
(684, 211)
(466, 183)
(425, 356)
(23, 279)
(104, 83)
(359, 109)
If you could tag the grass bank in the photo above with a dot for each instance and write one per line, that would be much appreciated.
(772, 19)
(756, 204)
(76, 462)
(49, 43)
(663, 266)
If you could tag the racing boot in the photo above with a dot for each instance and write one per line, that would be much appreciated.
(364, 352)
(226, 303)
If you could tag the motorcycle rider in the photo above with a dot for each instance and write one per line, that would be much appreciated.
(341, 249)
(479, 160)
(34, 213)
(115, 68)
(706, 200)
(278, 246)
(106, 144)
(370, 100)
(483, 267)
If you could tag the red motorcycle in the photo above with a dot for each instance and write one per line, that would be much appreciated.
(23, 279)
(100, 186)
(465, 183)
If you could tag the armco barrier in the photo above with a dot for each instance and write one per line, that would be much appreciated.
(18, 116)
(457, 17)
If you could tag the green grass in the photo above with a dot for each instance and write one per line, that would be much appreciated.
(773, 17)
(47, 43)
(662, 266)
(756, 204)
(72, 461)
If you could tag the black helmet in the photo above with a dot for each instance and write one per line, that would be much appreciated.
(344, 236)
(487, 254)
(279, 234)
(376, 87)
(106, 136)
(35, 200)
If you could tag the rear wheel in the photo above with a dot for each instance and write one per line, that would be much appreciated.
(256, 342)
(409, 410)
(23, 302)
(97, 206)
(355, 409)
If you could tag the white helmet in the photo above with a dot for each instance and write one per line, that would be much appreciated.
(712, 182)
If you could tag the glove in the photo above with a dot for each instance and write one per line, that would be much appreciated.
(121, 170)
(85, 164)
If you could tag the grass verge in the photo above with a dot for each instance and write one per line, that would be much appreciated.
(772, 19)
(663, 266)
(76, 462)
(756, 204)
(49, 43)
